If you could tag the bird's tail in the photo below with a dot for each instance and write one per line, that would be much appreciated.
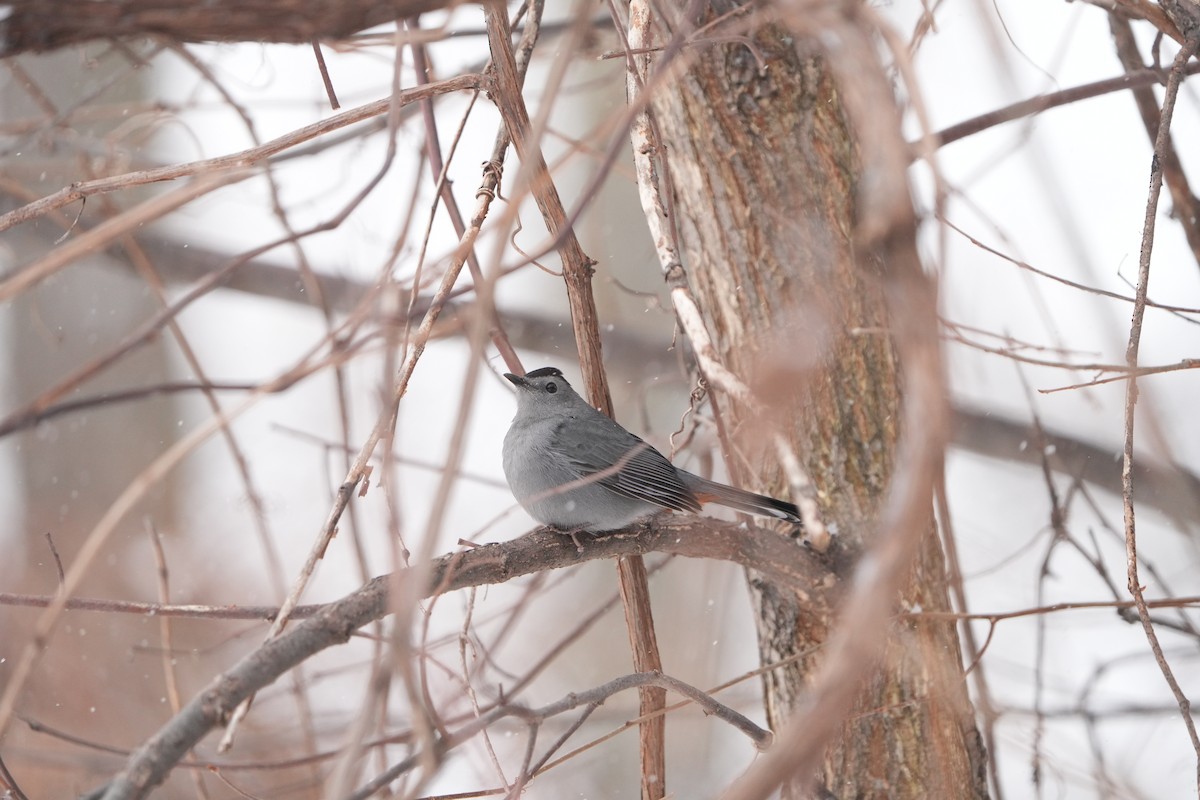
(707, 491)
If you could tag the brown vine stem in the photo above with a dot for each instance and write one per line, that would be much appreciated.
(250, 156)
(106, 232)
(577, 275)
(1187, 204)
(1174, 79)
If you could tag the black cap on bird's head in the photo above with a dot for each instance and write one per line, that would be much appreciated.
(545, 372)
(543, 382)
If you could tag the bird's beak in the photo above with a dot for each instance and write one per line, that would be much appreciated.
(517, 380)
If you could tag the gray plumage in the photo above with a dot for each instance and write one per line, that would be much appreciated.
(573, 468)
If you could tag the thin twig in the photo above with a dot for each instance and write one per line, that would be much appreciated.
(1187, 204)
(163, 575)
(58, 564)
(577, 275)
(242, 158)
(325, 79)
(1059, 279)
(100, 236)
(1174, 79)
(588, 698)
(1036, 105)
(187, 610)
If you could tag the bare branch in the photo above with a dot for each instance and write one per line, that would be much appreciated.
(1174, 79)
(1044, 102)
(37, 25)
(777, 558)
(240, 159)
(102, 235)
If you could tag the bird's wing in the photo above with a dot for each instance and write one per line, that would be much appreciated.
(622, 462)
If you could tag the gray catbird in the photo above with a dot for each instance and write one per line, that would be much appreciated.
(575, 469)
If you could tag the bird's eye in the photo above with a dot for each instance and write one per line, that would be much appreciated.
(551, 387)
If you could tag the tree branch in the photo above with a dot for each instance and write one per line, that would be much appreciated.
(243, 158)
(37, 25)
(775, 557)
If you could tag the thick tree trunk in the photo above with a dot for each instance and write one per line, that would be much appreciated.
(764, 174)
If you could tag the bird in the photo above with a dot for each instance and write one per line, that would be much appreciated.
(575, 469)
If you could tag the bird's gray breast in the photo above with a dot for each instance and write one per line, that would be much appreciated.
(534, 467)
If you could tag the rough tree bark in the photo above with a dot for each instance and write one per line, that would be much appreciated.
(764, 172)
(38, 25)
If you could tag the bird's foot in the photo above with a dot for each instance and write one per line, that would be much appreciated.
(573, 533)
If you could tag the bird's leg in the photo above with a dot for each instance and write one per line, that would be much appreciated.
(573, 533)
